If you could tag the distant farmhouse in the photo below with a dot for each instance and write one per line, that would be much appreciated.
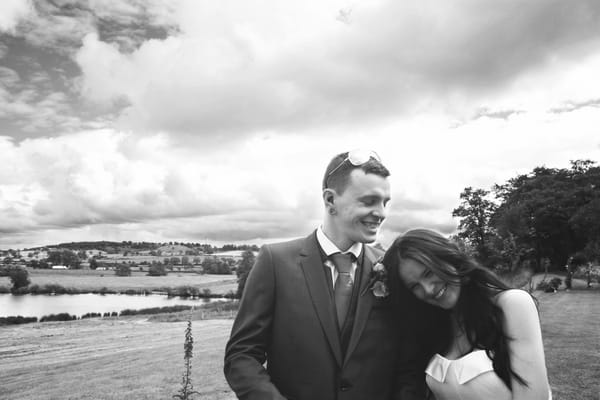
(36, 255)
(95, 253)
(174, 250)
(235, 254)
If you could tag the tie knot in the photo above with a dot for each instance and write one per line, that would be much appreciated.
(343, 262)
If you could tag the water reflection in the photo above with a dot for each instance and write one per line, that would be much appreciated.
(80, 304)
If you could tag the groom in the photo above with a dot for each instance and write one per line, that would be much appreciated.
(308, 309)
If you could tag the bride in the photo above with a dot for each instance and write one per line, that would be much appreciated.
(486, 342)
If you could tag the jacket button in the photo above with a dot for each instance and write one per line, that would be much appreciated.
(345, 386)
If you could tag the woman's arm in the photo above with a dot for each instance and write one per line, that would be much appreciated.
(525, 347)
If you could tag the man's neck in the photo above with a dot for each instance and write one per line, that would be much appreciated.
(341, 243)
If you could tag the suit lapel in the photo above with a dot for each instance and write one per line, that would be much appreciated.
(365, 301)
(312, 266)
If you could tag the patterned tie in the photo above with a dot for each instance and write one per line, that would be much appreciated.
(343, 285)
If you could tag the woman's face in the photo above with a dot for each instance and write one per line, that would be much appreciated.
(427, 286)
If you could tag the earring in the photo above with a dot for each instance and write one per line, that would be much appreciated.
(332, 211)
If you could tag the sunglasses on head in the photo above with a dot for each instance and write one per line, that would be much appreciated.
(357, 158)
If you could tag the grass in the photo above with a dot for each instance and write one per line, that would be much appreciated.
(571, 332)
(142, 358)
(110, 359)
(90, 280)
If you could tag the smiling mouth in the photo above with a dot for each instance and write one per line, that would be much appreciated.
(440, 293)
(371, 225)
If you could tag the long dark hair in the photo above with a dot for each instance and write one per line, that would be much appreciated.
(475, 309)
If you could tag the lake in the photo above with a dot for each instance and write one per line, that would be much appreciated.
(79, 304)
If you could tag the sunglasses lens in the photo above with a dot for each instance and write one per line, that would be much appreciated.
(355, 157)
(359, 157)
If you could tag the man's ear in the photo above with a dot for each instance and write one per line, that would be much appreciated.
(329, 197)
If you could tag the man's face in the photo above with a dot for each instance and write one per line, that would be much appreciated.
(361, 208)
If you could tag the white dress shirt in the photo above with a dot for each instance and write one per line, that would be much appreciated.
(329, 248)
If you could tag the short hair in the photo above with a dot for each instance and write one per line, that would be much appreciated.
(341, 176)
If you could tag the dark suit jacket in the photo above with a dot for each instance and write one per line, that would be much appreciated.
(287, 318)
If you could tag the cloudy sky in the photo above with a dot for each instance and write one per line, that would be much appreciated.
(213, 121)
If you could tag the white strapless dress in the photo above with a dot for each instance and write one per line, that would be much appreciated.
(470, 377)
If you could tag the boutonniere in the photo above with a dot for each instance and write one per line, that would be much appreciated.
(378, 282)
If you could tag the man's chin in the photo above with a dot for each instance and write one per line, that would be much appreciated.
(368, 238)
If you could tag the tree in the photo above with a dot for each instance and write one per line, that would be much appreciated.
(64, 257)
(19, 278)
(248, 260)
(35, 264)
(93, 263)
(549, 214)
(157, 270)
(214, 265)
(123, 270)
(475, 211)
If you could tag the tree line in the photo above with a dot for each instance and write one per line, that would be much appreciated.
(541, 220)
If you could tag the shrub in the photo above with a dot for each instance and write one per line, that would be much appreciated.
(157, 270)
(555, 283)
(184, 291)
(58, 317)
(34, 289)
(582, 273)
(12, 320)
(20, 291)
(91, 315)
(246, 264)
(123, 270)
(19, 278)
(53, 288)
(549, 286)
(155, 310)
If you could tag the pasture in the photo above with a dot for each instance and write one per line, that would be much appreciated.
(93, 280)
(142, 358)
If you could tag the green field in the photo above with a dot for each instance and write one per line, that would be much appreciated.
(96, 280)
(141, 358)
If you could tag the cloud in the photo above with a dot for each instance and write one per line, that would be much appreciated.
(59, 26)
(3, 50)
(187, 120)
(109, 177)
(570, 106)
(11, 13)
(234, 71)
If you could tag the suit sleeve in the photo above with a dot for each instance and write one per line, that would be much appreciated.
(246, 350)
(410, 381)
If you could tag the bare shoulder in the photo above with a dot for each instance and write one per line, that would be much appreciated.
(520, 312)
(514, 299)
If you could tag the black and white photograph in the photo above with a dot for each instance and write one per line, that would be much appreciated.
(299, 200)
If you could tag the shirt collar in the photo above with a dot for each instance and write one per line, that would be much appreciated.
(330, 248)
